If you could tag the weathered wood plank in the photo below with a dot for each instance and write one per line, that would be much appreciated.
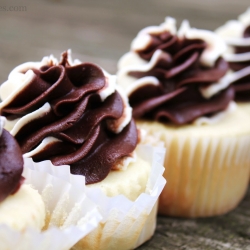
(227, 232)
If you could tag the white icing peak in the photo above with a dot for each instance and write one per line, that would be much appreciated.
(232, 33)
(244, 18)
(23, 74)
(132, 62)
(232, 106)
(215, 45)
(143, 38)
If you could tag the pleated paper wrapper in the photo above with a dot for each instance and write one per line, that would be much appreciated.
(207, 168)
(127, 224)
(70, 214)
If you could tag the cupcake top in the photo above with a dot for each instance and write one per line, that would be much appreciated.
(11, 163)
(236, 34)
(176, 76)
(71, 113)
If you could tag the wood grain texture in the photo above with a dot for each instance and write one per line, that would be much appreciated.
(227, 232)
(101, 31)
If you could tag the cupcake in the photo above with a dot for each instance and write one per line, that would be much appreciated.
(72, 113)
(21, 206)
(35, 208)
(178, 85)
(236, 34)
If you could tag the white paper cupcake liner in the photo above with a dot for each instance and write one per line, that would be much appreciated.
(70, 213)
(127, 224)
(207, 167)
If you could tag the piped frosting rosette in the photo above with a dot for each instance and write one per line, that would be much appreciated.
(43, 211)
(236, 34)
(177, 76)
(70, 113)
(73, 113)
(180, 88)
(127, 223)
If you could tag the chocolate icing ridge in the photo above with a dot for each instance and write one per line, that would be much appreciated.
(236, 33)
(76, 128)
(181, 74)
(242, 86)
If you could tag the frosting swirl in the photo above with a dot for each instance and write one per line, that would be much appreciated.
(236, 34)
(11, 163)
(168, 74)
(70, 113)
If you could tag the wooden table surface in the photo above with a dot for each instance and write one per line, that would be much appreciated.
(100, 31)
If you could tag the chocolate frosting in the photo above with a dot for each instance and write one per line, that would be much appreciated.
(78, 118)
(242, 86)
(177, 98)
(11, 165)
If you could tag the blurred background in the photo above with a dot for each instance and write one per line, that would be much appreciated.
(98, 31)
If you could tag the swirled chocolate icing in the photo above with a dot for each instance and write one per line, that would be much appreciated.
(165, 74)
(242, 85)
(78, 119)
(236, 33)
(11, 165)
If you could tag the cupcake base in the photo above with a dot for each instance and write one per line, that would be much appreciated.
(22, 210)
(127, 234)
(244, 106)
(206, 167)
(128, 222)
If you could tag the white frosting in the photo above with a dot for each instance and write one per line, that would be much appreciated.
(15, 84)
(110, 86)
(242, 57)
(18, 80)
(232, 106)
(143, 38)
(147, 80)
(244, 18)
(22, 75)
(231, 29)
(215, 45)
(46, 61)
(232, 33)
(9, 124)
(2, 122)
(168, 25)
(29, 117)
(236, 41)
(215, 88)
(225, 81)
(184, 28)
(131, 61)
(47, 141)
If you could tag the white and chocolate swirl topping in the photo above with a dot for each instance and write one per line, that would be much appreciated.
(236, 34)
(70, 113)
(176, 75)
